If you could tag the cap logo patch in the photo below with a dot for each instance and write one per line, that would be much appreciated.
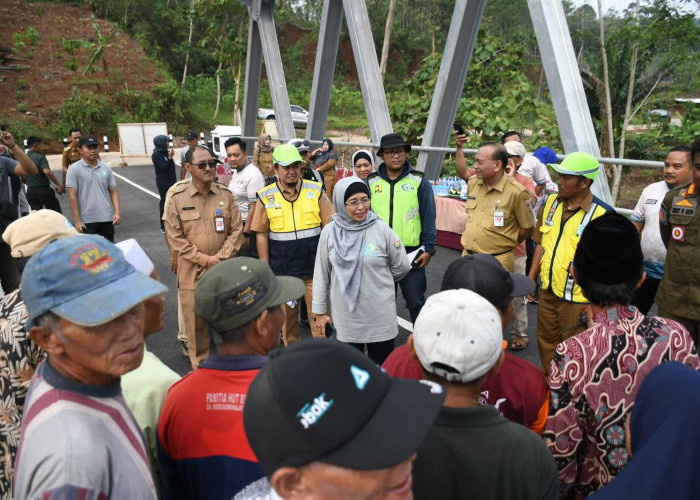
(91, 258)
(361, 376)
(242, 298)
(312, 412)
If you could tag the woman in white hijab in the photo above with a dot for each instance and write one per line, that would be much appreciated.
(358, 260)
(363, 163)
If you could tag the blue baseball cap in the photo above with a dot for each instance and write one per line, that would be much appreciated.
(84, 279)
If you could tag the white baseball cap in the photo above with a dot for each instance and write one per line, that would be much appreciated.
(458, 335)
(515, 148)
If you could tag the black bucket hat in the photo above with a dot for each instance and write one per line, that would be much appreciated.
(391, 141)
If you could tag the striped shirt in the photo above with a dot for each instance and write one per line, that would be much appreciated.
(79, 441)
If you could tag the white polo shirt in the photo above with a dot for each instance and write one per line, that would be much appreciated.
(647, 212)
(534, 169)
(244, 185)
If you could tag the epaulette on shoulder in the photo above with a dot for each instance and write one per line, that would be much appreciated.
(67, 148)
(418, 173)
(221, 184)
(180, 186)
(515, 183)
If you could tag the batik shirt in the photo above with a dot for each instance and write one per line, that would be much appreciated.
(18, 358)
(594, 379)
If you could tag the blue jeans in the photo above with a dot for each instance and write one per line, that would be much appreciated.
(413, 287)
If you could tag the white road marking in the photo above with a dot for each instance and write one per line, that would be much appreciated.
(135, 185)
(406, 325)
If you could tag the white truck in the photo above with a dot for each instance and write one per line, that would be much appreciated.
(220, 135)
(299, 115)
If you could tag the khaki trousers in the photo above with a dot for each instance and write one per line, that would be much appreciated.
(520, 304)
(553, 316)
(507, 259)
(693, 326)
(181, 329)
(290, 329)
(196, 329)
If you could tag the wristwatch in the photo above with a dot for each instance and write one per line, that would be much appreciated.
(246, 234)
(431, 252)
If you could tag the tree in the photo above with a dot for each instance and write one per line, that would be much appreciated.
(628, 109)
(189, 44)
(224, 36)
(387, 37)
(497, 97)
(610, 135)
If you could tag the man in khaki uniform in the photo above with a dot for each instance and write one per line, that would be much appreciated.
(71, 154)
(181, 330)
(499, 209)
(678, 297)
(202, 227)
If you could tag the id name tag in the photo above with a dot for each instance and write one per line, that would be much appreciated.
(219, 221)
(498, 219)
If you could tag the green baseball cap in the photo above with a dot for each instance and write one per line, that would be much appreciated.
(578, 163)
(286, 154)
(238, 290)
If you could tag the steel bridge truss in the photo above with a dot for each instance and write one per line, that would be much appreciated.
(551, 30)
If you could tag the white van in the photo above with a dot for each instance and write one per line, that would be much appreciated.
(220, 135)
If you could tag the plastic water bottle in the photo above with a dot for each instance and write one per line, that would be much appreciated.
(463, 191)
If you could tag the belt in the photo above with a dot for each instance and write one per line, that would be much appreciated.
(471, 252)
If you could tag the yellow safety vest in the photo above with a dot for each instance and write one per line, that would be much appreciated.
(292, 220)
(295, 228)
(559, 243)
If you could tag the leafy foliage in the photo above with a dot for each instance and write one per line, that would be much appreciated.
(497, 97)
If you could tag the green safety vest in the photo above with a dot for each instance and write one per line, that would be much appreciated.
(397, 205)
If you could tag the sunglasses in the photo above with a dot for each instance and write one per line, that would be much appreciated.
(204, 164)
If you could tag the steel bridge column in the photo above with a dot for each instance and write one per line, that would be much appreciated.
(565, 85)
(365, 53)
(459, 48)
(326, 54)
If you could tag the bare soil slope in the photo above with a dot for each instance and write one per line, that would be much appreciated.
(38, 77)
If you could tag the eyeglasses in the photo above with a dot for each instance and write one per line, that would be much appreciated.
(394, 152)
(204, 164)
(357, 203)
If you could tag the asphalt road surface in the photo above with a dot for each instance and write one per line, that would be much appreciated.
(139, 210)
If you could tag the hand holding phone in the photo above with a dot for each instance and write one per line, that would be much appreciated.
(415, 264)
(330, 331)
(458, 128)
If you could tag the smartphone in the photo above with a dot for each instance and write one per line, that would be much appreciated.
(330, 330)
(458, 128)
(415, 264)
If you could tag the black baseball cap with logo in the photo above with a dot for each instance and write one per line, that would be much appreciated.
(191, 135)
(238, 290)
(486, 276)
(88, 140)
(325, 401)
